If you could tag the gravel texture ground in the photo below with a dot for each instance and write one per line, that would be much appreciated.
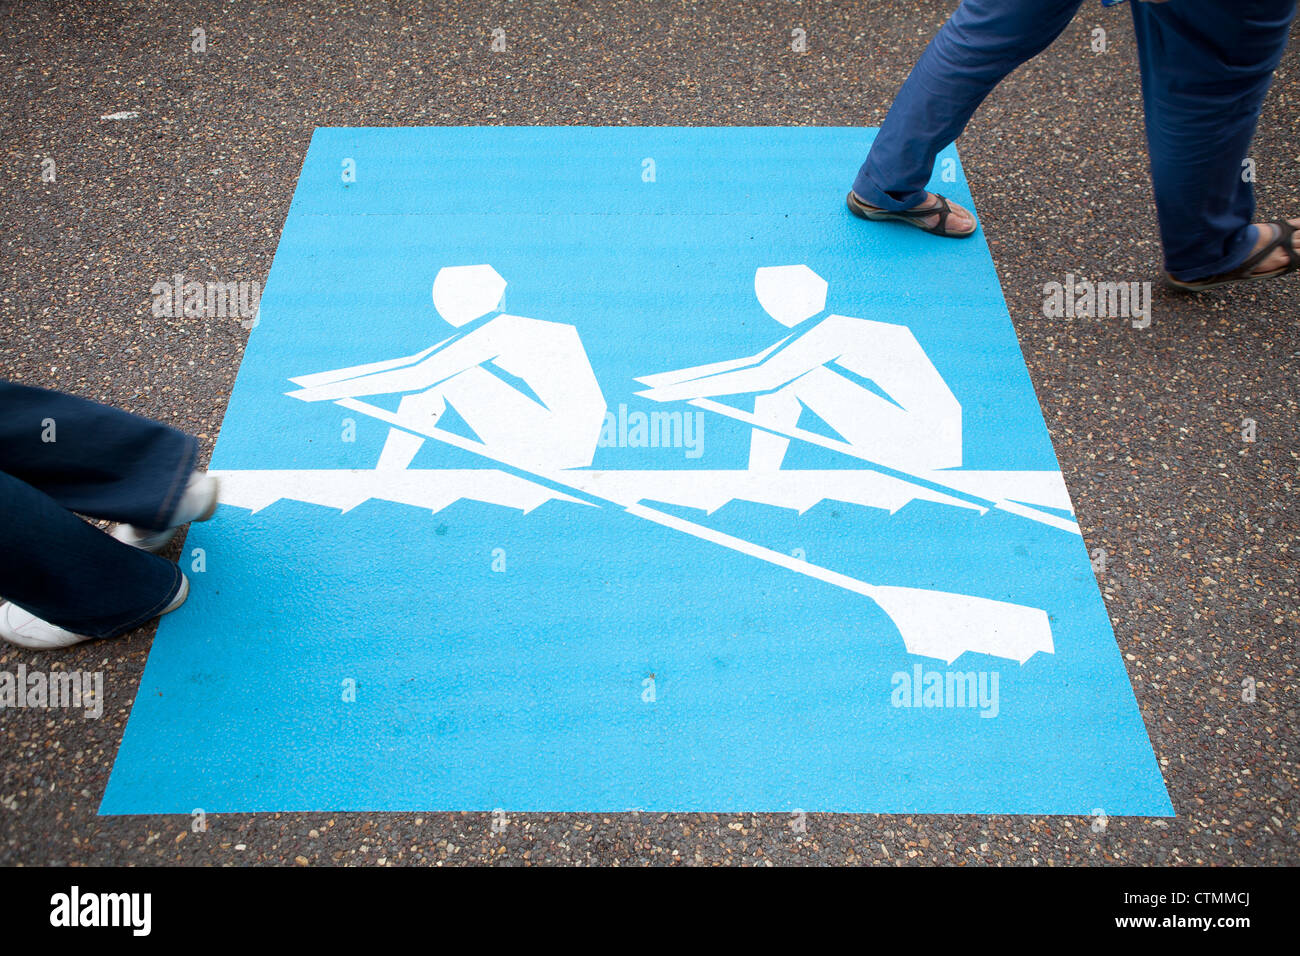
(1199, 526)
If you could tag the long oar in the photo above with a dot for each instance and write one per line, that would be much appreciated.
(1015, 508)
(932, 623)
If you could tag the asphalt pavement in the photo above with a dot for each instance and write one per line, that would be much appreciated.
(1198, 524)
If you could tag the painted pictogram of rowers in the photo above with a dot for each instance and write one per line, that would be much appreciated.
(525, 391)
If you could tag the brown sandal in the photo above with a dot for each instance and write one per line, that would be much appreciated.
(1244, 271)
(913, 217)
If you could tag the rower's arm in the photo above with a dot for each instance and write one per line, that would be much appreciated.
(454, 356)
(780, 366)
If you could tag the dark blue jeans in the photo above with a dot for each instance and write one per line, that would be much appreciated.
(58, 455)
(1205, 66)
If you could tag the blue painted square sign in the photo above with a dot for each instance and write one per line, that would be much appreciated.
(590, 469)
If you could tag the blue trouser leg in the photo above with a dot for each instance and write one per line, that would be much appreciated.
(981, 43)
(68, 572)
(60, 454)
(92, 458)
(1206, 66)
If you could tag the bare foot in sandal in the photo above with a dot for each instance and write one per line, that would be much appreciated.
(1276, 259)
(949, 219)
(959, 220)
(1275, 254)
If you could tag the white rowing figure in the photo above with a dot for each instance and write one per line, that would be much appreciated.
(915, 426)
(486, 374)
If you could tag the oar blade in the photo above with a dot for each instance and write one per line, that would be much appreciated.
(945, 625)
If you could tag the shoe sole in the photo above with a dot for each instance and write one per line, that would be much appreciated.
(1178, 286)
(181, 595)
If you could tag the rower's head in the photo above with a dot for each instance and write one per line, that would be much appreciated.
(462, 294)
(790, 294)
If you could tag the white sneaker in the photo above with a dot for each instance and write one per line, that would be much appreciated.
(27, 630)
(198, 503)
